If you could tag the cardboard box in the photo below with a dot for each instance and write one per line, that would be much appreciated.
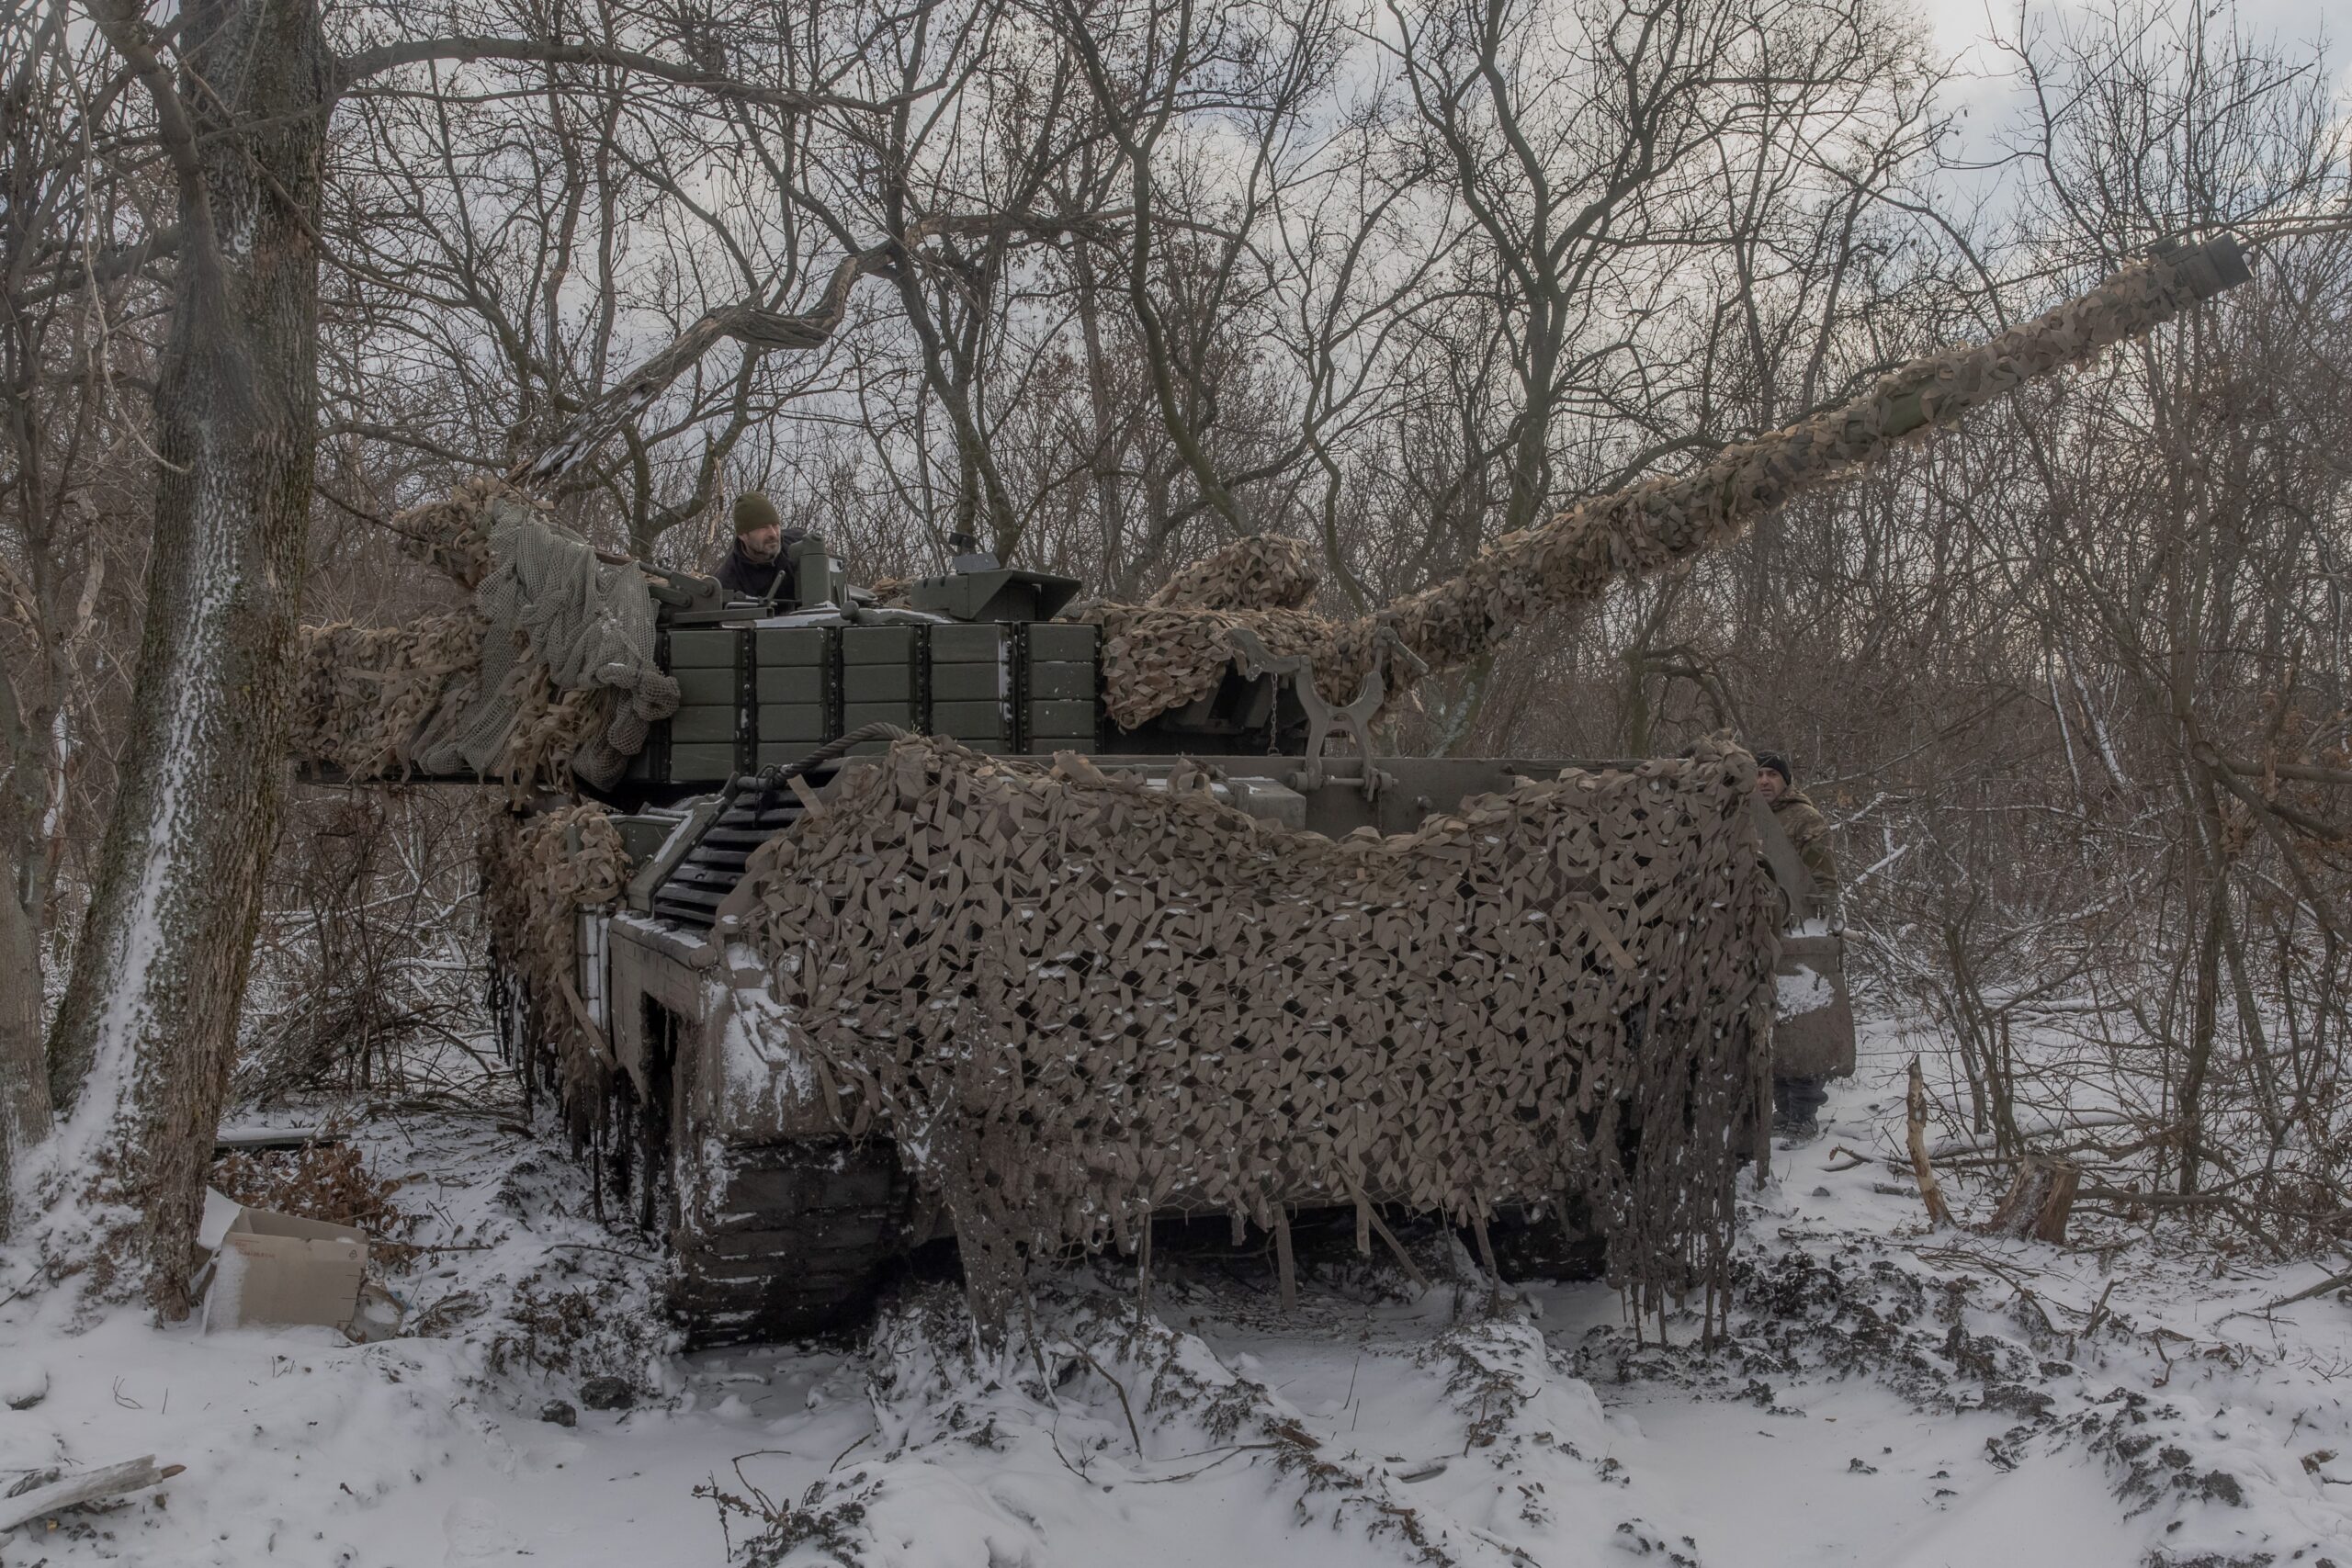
(269, 1268)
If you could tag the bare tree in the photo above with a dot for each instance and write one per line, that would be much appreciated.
(144, 1034)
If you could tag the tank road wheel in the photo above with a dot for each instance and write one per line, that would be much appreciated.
(780, 1240)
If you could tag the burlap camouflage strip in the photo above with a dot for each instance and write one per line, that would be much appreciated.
(451, 534)
(538, 872)
(362, 691)
(369, 699)
(1073, 999)
(1264, 571)
(550, 672)
(1160, 656)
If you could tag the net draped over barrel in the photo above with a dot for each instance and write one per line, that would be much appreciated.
(1073, 997)
(1167, 652)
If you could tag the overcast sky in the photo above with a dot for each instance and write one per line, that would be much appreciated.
(1960, 26)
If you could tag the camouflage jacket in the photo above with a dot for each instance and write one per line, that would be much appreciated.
(1806, 829)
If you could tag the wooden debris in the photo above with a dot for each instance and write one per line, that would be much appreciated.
(90, 1486)
(2039, 1201)
(1915, 1113)
(1285, 1267)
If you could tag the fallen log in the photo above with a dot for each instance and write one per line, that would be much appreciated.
(90, 1486)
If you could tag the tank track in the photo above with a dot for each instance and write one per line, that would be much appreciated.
(787, 1240)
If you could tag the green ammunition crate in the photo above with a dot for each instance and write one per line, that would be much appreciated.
(698, 762)
(791, 645)
(858, 715)
(969, 721)
(877, 683)
(706, 686)
(966, 645)
(699, 648)
(879, 645)
(703, 724)
(801, 723)
(1051, 642)
(1061, 718)
(967, 683)
(1061, 682)
(790, 684)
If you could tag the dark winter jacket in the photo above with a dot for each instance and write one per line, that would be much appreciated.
(744, 578)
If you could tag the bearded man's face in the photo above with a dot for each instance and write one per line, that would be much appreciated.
(762, 544)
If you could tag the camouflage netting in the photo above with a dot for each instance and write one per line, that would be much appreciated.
(550, 674)
(1157, 658)
(363, 692)
(1173, 648)
(1160, 656)
(1264, 572)
(538, 871)
(1072, 999)
(451, 534)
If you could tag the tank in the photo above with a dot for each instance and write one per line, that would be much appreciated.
(803, 768)
(782, 1223)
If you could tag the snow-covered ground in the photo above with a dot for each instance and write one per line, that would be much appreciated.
(1885, 1396)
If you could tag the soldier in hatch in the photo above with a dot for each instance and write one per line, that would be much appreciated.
(1796, 1102)
(749, 568)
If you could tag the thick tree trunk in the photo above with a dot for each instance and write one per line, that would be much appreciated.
(144, 1038)
(24, 1083)
(23, 1077)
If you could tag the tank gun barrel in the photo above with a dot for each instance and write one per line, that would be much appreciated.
(1646, 526)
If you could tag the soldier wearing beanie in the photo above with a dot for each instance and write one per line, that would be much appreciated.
(1801, 821)
(1797, 1103)
(749, 568)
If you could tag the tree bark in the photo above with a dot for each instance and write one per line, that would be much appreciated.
(23, 1077)
(144, 1039)
(24, 1081)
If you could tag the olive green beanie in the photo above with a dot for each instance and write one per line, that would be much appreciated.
(754, 510)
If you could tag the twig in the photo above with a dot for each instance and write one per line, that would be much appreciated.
(1236, 1448)
(1116, 1387)
(433, 1246)
(2098, 1315)
(2333, 1283)
(1855, 1161)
